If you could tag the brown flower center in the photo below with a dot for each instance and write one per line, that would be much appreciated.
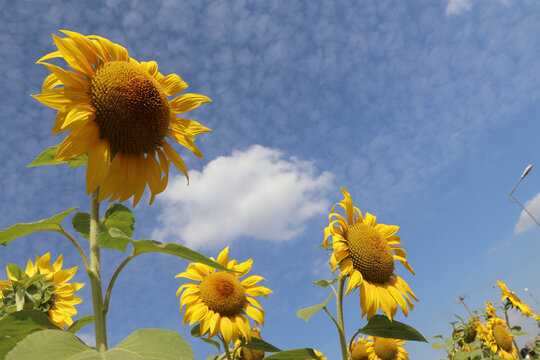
(131, 109)
(502, 338)
(223, 293)
(385, 348)
(370, 253)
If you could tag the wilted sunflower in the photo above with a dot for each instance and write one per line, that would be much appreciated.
(495, 335)
(220, 301)
(379, 348)
(118, 113)
(60, 306)
(365, 251)
(359, 349)
(515, 301)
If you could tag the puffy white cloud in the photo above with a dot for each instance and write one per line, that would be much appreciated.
(456, 7)
(253, 193)
(525, 222)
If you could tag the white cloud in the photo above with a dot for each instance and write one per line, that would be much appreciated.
(456, 7)
(255, 193)
(525, 222)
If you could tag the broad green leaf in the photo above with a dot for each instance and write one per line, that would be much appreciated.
(47, 158)
(77, 325)
(381, 326)
(297, 354)
(324, 283)
(196, 332)
(16, 272)
(18, 230)
(437, 345)
(258, 344)
(308, 312)
(81, 224)
(145, 246)
(120, 217)
(140, 345)
(17, 325)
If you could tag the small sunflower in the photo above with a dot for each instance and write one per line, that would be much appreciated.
(220, 301)
(319, 355)
(60, 305)
(118, 112)
(515, 301)
(365, 252)
(379, 348)
(359, 349)
(495, 335)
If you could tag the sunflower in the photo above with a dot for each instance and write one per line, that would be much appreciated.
(319, 355)
(359, 349)
(118, 112)
(490, 310)
(515, 301)
(58, 299)
(495, 336)
(365, 252)
(220, 301)
(379, 348)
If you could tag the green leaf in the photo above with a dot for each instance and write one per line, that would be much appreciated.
(258, 344)
(308, 312)
(47, 158)
(381, 326)
(16, 272)
(145, 246)
(77, 325)
(81, 224)
(17, 325)
(142, 344)
(437, 345)
(120, 217)
(296, 354)
(324, 283)
(18, 230)
(465, 355)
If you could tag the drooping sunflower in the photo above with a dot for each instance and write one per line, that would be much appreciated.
(58, 299)
(118, 112)
(495, 335)
(379, 348)
(515, 301)
(359, 349)
(365, 252)
(219, 301)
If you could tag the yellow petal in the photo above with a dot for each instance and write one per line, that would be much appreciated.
(175, 158)
(187, 102)
(78, 142)
(172, 84)
(99, 160)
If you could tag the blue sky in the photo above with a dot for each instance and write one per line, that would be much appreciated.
(426, 112)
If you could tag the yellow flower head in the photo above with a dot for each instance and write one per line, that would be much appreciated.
(495, 336)
(359, 349)
(379, 348)
(365, 252)
(219, 301)
(515, 301)
(62, 302)
(490, 310)
(118, 112)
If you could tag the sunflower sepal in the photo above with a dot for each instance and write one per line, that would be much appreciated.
(47, 157)
(381, 326)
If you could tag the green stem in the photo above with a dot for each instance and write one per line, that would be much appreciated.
(226, 346)
(95, 276)
(513, 337)
(76, 243)
(341, 327)
(331, 317)
(352, 339)
(113, 279)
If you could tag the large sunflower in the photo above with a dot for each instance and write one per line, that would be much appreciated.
(365, 251)
(379, 348)
(117, 112)
(58, 299)
(220, 301)
(515, 301)
(495, 335)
